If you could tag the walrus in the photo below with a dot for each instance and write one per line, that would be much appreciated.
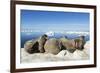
(80, 42)
(52, 46)
(41, 42)
(72, 44)
(31, 46)
(37, 45)
(68, 44)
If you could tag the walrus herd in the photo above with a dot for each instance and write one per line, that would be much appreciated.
(43, 44)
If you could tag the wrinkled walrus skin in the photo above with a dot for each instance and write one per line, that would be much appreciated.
(72, 44)
(52, 46)
(37, 45)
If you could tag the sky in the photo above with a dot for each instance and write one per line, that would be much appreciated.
(54, 21)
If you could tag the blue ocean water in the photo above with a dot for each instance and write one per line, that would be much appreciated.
(29, 36)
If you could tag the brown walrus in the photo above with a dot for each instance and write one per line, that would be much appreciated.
(31, 46)
(80, 42)
(37, 45)
(52, 46)
(72, 44)
(41, 42)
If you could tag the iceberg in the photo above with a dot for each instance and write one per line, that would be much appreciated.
(78, 33)
(50, 33)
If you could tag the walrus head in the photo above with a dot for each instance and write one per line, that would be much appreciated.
(79, 43)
